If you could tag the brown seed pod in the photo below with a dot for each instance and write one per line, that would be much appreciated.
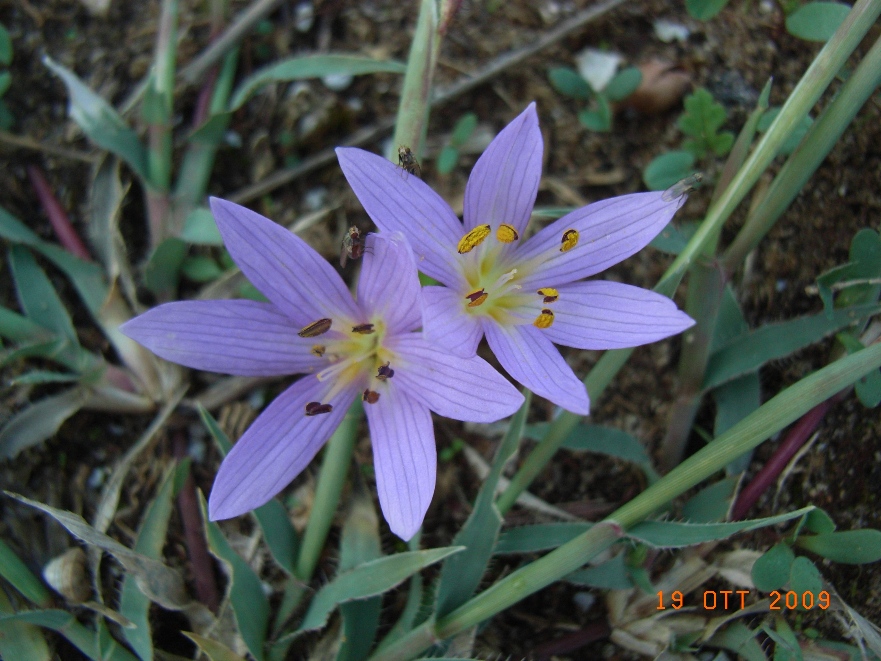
(68, 576)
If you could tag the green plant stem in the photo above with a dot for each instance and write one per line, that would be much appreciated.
(824, 67)
(334, 468)
(777, 413)
(802, 164)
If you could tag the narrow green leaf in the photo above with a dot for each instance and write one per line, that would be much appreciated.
(463, 129)
(18, 328)
(368, 580)
(163, 269)
(5, 46)
(539, 537)
(460, 575)
(38, 377)
(612, 443)
(675, 534)
(610, 575)
(78, 635)
(668, 169)
(246, 595)
(771, 570)
(212, 649)
(20, 641)
(751, 350)
(200, 228)
(567, 82)
(852, 547)
(711, 503)
(704, 10)
(21, 578)
(311, 66)
(447, 159)
(673, 238)
(99, 121)
(623, 84)
(39, 421)
(212, 131)
(797, 135)
(816, 21)
(37, 295)
(200, 268)
(134, 604)
(5, 81)
(740, 639)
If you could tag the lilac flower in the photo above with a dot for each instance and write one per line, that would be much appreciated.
(348, 348)
(524, 295)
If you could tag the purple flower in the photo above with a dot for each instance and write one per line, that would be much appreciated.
(524, 295)
(348, 348)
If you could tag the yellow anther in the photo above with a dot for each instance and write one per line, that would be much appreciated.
(506, 234)
(316, 328)
(545, 319)
(570, 238)
(473, 239)
(476, 298)
(318, 350)
(550, 294)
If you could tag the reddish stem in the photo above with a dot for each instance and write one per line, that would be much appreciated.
(64, 230)
(798, 435)
(197, 549)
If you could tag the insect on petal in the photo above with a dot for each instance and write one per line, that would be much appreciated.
(473, 239)
(316, 328)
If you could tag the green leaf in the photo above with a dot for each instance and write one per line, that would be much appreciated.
(538, 537)
(212, 131)
(19, 640)
(567, 82)
(100, 122)
(674, 534)
(21, 578)
(460, 575)
(249, 603)
(163, 269)
(38, 377)
(447, 159)
(78, 635)
(701, 121)
(623, 84)
(20, 329)
(749, 351)
(200, 228)
(735, 400)
(816, 21)
(311, 66)
(7, 119)
(865, 263)
(805, 577)
(673, 239)
(740, 639)
(786, 646)
(5, 46)
(711, 503)
(704, 10)
(771, 570)
(851, 547)
(819, 522)
(200, 268)
(599, 120)
(463, 129)
(39, 421)
(668, 169)
(37, 295)
(134, 604)
(612, 443)
(794, 139)
(212, 649)
(368, 580)
(610, 575)
(5, 81)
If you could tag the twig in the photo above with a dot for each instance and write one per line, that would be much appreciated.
(465, 84)
(24, 142)
(64, 230)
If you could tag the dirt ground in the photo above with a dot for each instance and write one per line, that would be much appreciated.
(733, 55)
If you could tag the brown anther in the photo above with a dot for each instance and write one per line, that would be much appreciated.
(476, 298)
(316, 328)
(507, 234)
(384, 372)
(550, 294)
(317, 408)
(370, 396)
(545, 319)
(473, 239)
(363, 329)
(318, 350)
(570, 238)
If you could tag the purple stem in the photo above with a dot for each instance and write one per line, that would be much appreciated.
(64, 230)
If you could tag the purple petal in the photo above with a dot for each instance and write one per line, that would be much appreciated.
(282, 266)
(504, 182)
(530, 358)
(609, 231)
(276, 448)
(446, 322)
(459, 388)
(401, 202)
(609, 315)
(245, 338)
(404, 457)
(389, 285)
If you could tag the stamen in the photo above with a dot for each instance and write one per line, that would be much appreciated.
(317, 408)
(316, 328)
(506, 234)
(545, 319)
(370, 396)
(570, 239)
(363, 329)
(476, 298)
(384, 372)
(473, 239)
(318, 350)
(550, 294)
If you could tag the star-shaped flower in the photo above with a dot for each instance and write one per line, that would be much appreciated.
(349, 348)
(524, 295)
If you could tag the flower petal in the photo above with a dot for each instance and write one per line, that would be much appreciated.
(609, 231)
(276, 448)
(504, 182)
(389, 285)
(282, 266)
(459, 388)
(530, 358)
(245, 338)
(447, 324)
(404, 457)
(401, 202)
(610, 315)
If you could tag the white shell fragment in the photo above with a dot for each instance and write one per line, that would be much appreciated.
(68, 576)
(597, 67)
